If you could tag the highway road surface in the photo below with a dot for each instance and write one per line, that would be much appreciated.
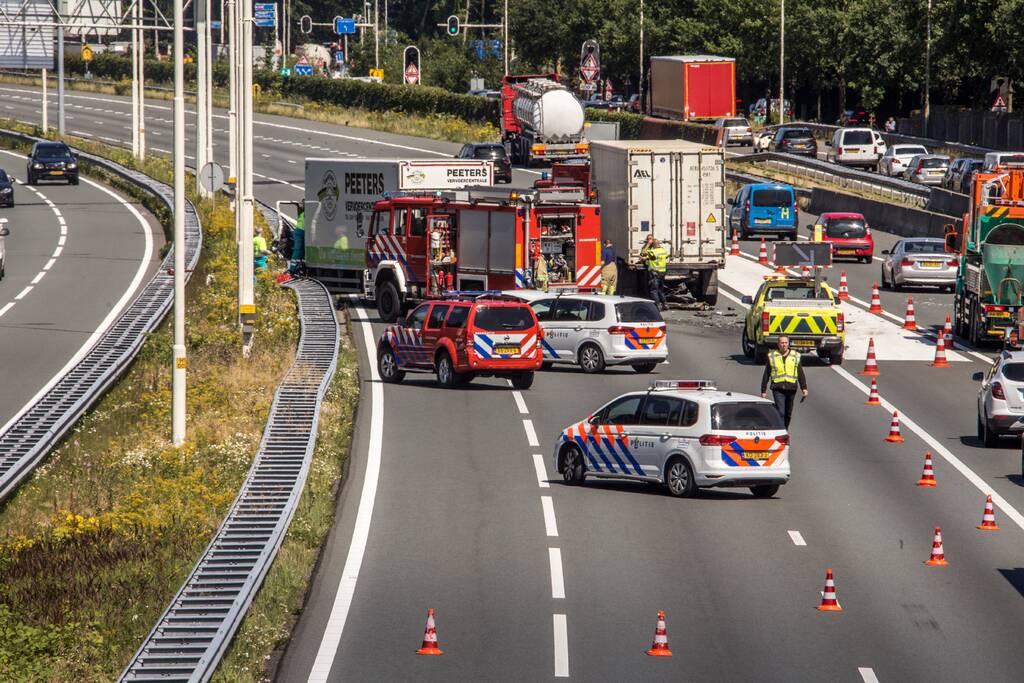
(451, 503)
(76, 257)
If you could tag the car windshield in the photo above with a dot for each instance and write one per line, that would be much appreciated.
(736, 123)
(51, 151)
(924, 247)
(796, 291)
(858, 137)
(774, 198)
(496, 152)
(909, 151)
(846, 227)
(934, 162)
(746, 415)
(1014, 372)
(503, 318)
(796, 134)
(637, 312)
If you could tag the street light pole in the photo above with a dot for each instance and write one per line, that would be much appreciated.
(180, 361)
(928, 70)
(60, 79)
(232, 38)
(782, 64)
(200, 13)
(505, 37)
(640, 88)
(246, 301)
(376, 34)
(141, 78)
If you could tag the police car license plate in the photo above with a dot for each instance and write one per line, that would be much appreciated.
(648, 340)
(803, 343)
(506, 350)
(762, 221)
(759, 456)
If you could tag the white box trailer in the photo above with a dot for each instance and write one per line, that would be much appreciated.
(672, 189)
(339, 199)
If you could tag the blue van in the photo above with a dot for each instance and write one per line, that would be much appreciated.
(768, 208)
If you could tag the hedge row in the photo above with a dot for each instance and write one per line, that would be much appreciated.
(638, 127)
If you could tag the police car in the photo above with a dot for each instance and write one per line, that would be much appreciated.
(597, 330)
(684, 434)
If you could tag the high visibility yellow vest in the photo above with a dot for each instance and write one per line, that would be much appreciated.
(785, 369)
(259, 244)
(657, 259)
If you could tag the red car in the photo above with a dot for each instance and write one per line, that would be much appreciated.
(462, 338)
(849, 235)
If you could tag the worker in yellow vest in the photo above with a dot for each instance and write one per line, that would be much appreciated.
(784, 372)
(655, 258)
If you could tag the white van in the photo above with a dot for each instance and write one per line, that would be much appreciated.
(1003, 160)
(854, 147)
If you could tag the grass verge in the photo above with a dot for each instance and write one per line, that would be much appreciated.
(99, 539)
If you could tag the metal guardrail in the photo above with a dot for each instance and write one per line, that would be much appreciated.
(193, 633)
(826, 131)
(851, 178)
(31, 436)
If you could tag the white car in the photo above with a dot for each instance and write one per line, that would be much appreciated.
(763, 139)
(684, 434)
(854, 147)
(597, 330)
(735, 131)
(894, 161)
(4, 232)
(1001, 398)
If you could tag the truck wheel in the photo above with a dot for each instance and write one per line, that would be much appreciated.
(836, 357)
(387, 366)
(523, 380)
(708, 283)
(389, 305)
(748, 347)
(973, 332)
(591, 358)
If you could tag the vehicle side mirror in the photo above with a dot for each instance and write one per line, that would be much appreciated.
(952, 239)
(978, 377)
(747, 299)
(885, 252)
(594, 419)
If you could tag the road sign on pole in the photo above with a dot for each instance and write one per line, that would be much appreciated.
(211, 177)
(264, 14)
(411, 59)
(344, 27)
(303, 67)
(590, 63)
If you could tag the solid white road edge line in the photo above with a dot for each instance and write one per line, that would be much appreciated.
(520, 403)
(557, 580)
(531, 435)
(947, 455)
(798, 538)
(538, 464)
(361, 531)
(561, 646)
(550, 526)
(868, 674)
(115, 310)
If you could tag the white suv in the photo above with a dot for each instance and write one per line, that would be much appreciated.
(1001, 398)
(685, 434)
(597, 330)
(855, 147)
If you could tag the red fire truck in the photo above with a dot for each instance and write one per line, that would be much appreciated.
(421, 245)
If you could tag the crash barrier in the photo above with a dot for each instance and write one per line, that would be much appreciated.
(824, 131)
(30, 436)
(895, 218)
(947, 202)
(193, 633)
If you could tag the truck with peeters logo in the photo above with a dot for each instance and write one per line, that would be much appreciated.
(541, 119)
(673, 190)
(989, 244)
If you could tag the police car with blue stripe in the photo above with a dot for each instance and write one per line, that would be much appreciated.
(684, 434)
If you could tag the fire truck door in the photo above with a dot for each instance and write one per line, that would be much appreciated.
(416, 242)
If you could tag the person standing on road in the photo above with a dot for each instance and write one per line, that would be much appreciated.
(609, 271)
(656, 258)
(784, 371)
(890, 125)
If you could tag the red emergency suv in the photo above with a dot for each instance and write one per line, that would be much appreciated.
(462, 338)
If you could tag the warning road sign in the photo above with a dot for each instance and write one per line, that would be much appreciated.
(412, 74)
(589, 68)
(999, 104)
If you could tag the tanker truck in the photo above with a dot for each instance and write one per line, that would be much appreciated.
(990, 245)
(540, 119)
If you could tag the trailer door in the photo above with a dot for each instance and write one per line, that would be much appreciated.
(712, 206)
(664, 202)
(687, 203)
(641, 201)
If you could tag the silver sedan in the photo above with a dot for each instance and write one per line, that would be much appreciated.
(919, 261)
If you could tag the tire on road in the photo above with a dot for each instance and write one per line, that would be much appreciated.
(445, 371)
(389, 304)
(573, 467)
(591, 358)
(644, 368)
(523, 380)
(764, 490)
(679, 478)
(387, 366)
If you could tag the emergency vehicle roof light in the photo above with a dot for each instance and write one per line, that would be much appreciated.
(685, 384)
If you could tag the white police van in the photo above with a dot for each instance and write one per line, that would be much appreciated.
(597, 330)
(685, 434)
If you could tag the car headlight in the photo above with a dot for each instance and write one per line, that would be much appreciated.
(37, 165)
(5, 190)
(72, 165)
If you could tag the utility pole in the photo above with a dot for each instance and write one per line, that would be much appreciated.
(376, 34)
(46, 124)
(200, 10)
(640, 87)
(60, 78)
(505, 36)
(136, 86)
(928, 70)
(141, 77)
(782, 64)
(180, 361)
(246, 298)
(232, 38)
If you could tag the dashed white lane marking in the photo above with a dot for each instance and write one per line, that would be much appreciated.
(550, 526)
(22, 293)
(531, 435)
(867, 674)
(520, 403)
(361, 531)
(797, 537)
(57, 251)
(290, 161)
(39, 276)
(557, 580)
(561, 646)
(278, 180)
(63, 239)
(542, 474)
(49, 264)
(6, 307)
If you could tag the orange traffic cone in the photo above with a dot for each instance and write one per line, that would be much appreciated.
(659, 648)
(735, 250)
(947, 331)
(938, 558)
(844, 292)
(928, 475)
(871, 364)
(829, 603)
(873, 398)
(988, 520)
(940, 355)
(894, 429)
(909, 322)
(762, 256)
(876, 301)
(429, 646)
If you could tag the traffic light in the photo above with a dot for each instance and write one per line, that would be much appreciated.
(306, 24)
(453, 25)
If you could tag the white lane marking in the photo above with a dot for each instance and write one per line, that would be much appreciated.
(62, 240)
(49, 264)
(361, 531)
(867, 674)
(23, 292)
(290, 161)
(557, 580)
(936, 446)
(797, 537)
(278, 180)
(39, 276)
(6, 307)
(531, 435)
(550, 526)
(57, 251)
(520, 403)
(561, 646)
(542, 474)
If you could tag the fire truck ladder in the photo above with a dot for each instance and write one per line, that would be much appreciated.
(194, 632)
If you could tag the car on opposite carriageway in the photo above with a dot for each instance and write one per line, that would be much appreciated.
(683, 434)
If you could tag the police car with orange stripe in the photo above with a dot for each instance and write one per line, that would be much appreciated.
(597, 330)
(684, 434)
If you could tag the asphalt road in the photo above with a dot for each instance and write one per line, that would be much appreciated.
(76, 256)
(446, 506)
